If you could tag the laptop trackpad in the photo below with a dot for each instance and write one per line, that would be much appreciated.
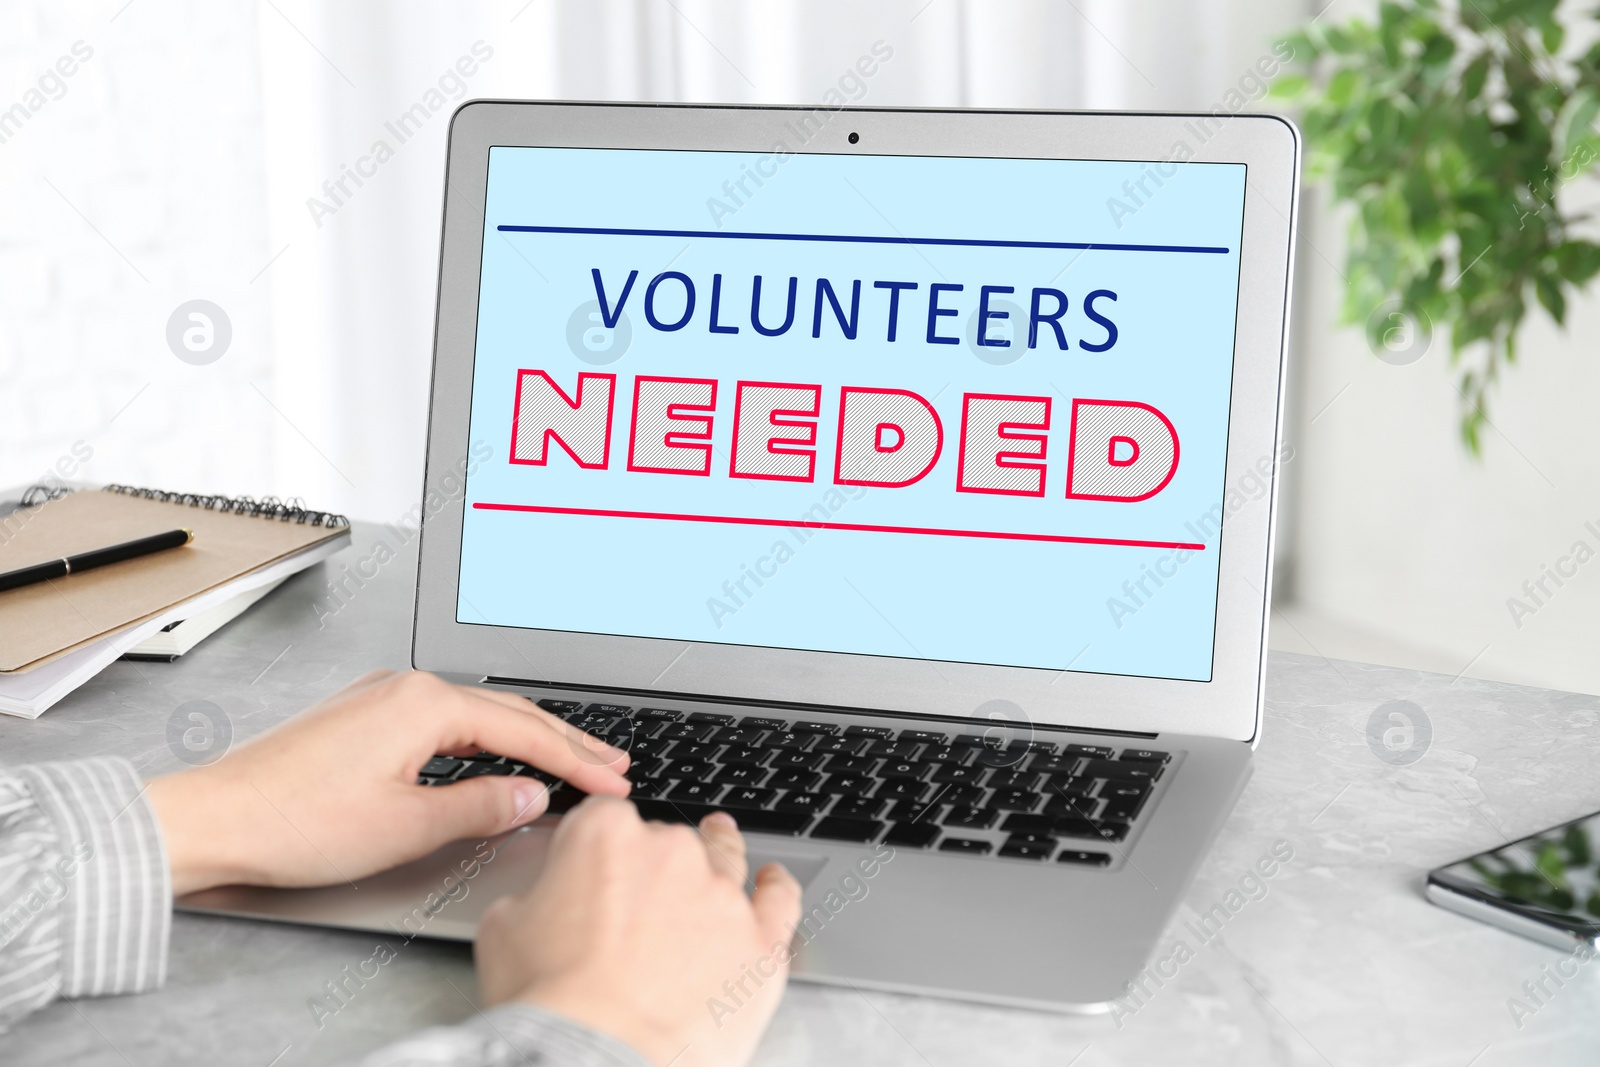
(442, 895)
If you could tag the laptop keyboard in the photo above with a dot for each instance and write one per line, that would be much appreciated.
(914, 788)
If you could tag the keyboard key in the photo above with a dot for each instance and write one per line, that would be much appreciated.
(755, 757)
(895, 750)
(912, 834)
(859, 807)
(1121, 769)
(738, 735)
(1014, 800)
(879, 732)
(791, 758)
(1145, 755)
(441, 766)
(609, 709)
(747, 797)
(693, 770)
(700, 792)
(967, 796)
(560, 707)
(564, 800)
(1020, 823)
(1088, 859)
(1001, 755)
(591, 722)
(1027, 850)
(927, 737)
(959, 775)
(815, 728)
(856, 785)
(843, 746)
(1111, 830)
(1104, 829)
(649, 748)
(1013, 780)
(970, 845)
(658, 715)
(902, 789)
(1075, 806)
(969, 740)
(480, 770)
(970, 818)
(689, 731)
(1031, 839)
(840, 829)
(626, 733)
(958, 755)
(806, 802)
(749, 819)
(740, 774)
(1068, 786)
(1124, 801)
(1092, 751)
(1041, 748)
(652, 767)
(850, 765)
(765, 724)
(710, 716)
(795, 739)
(794, 778)
(912, 772)
(647, 787)
(1054, 764)
(693, 750)
(913, 811)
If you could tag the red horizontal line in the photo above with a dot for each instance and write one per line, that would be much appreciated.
(736, 520)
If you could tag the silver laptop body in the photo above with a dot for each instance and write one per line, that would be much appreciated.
(966, 564)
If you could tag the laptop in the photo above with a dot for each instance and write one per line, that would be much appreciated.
(899, 481)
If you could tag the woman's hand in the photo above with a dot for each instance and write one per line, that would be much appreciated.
(643, 931)
(332, 795)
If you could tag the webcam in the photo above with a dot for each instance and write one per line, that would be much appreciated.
(854, 137)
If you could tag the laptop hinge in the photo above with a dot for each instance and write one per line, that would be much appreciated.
(799, 706)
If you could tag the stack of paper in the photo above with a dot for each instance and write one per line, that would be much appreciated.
(56, 635)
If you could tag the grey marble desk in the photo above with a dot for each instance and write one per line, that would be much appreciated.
(1341, 963)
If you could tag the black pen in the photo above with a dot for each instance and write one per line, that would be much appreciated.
(95, 557)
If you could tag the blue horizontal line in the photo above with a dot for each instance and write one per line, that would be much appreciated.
(964, 242)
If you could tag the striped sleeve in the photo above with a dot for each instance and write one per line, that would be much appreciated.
(512, 1035)
(85, 894)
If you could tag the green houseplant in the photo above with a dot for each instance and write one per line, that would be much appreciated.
(1451, 129)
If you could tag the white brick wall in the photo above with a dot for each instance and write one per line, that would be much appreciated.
(157, 143)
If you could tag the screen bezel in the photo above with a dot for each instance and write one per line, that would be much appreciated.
(1228, 706)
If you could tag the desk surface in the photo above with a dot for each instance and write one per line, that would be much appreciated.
(1340, 963)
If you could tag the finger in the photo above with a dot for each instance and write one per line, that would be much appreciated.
(725, 846)
(492, 725)
(482, 806)
(587, 745)
(600, 818)
(777, 902)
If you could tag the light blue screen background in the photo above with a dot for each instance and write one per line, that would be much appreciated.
(1033, 604)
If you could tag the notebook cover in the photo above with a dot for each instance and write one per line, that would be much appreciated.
(39, 622)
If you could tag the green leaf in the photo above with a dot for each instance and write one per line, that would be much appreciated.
(1475, 75)
(1549, 292)
(1289, 87)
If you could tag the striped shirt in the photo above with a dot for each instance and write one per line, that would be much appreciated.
(86, 910)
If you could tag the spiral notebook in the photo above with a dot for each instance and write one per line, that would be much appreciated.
(57, 634)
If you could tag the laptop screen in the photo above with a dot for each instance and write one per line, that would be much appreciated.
(950, 409)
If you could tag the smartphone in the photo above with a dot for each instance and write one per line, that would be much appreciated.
(1545, 886)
